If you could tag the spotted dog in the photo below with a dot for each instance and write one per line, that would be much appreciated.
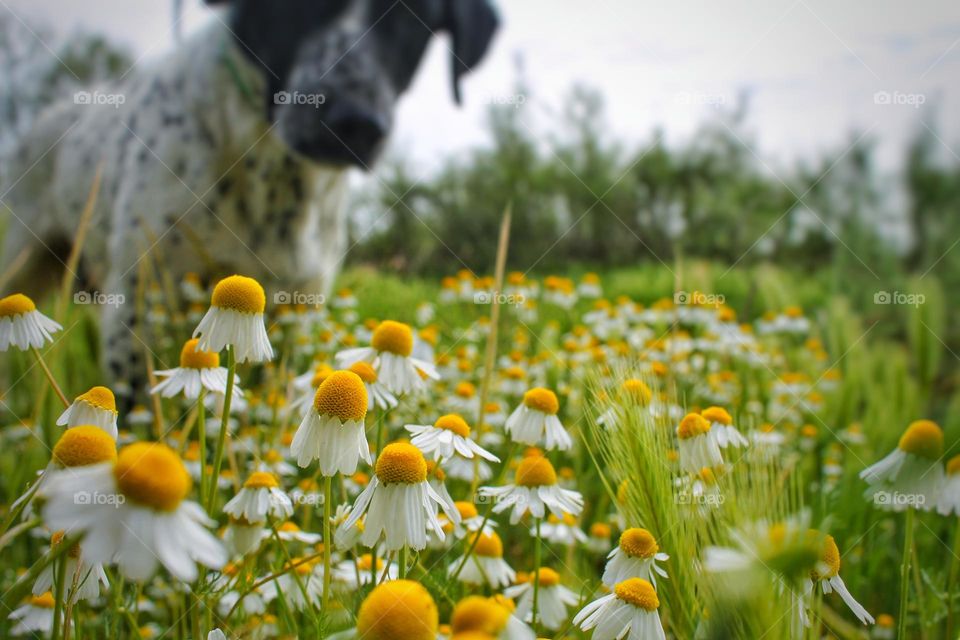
(230, 155)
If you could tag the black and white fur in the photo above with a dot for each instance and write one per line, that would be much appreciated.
(205, 171)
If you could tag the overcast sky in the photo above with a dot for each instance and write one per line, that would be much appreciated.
(812, 67)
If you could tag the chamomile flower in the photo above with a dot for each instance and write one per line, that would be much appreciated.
(470, 520)
(698, 449)
(398, 609)
(398, 501)
(35, 616)
(949, 500)
(598, 540)
(450, 434)
(300, 585)
(784, 548)
(235, 318)
(722, 429)
(96, 407)
(553, 599)
(243, 537)
(134, 513)
(562, 530)
(912, 475)
(635, 556)
(535, 489)
(290, 532)
(827, 574)
(477, 617)
(536, 421)
(486, 564)
(629, 613)
(332, 432)
(261, 496)
(89, 577)
(198, 370)
(22, 326)
(360, 572)
(390, 353)
(379, 396)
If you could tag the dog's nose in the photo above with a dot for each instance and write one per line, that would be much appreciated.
(360, 130)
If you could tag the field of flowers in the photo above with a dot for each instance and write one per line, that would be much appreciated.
(703, 453)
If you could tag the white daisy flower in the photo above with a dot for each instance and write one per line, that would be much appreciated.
(235, 318)
(379, 396)
(261, 496)
(398, 502)
(562, 530)
(299, 574)
(485, 565)
(450, 434)
(243, 537)
(332, 431)
(198, 370)
(353, 574)
(134, 513)
(536, 421)
(629, 613)
(599, 537)
(470, 520)
(390, 354)
(534, 491)
(698, 449)
(828, 574)
(722, 429)
(460, 468)
(488, 618)
(290, 532)
(22, 326)
(949, 501)
(912, 475)
(635, 556)
(36, 616)
(89, 576)
(552, 601)
(96, 407)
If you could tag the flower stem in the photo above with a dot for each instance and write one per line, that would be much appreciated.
(905, 572)
(403, 562)
(327, 542)
(224, 427)
(50, 379)
(536, 577)
(952, 580)
(59, 588)
(202, 435)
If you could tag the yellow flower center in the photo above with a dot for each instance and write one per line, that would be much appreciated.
(600, 530)
(84, 445)
(366, 372)
(885, 621)
(401, 462)
(638, 592)
(514, 373)
(479, 614)
(239, 293)
(191, 358)
(535, 471)
(101, 398)
(717, 414)
(152, 474)
(286, 527)
(547, 577)
(342, 395)
(43, 601)
(953, 465)
(398, 609)
(15, 305)
(453, 422)
(637, 390)
(364, 563)
(692, 425)
(923, 438)
(393, 337)
(465, 390)
(638, 543)
(830, 555)
(261, 480)
(467, 510)
(542, 400)
(488, 545)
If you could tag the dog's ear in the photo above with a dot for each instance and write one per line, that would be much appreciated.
(472, 24)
